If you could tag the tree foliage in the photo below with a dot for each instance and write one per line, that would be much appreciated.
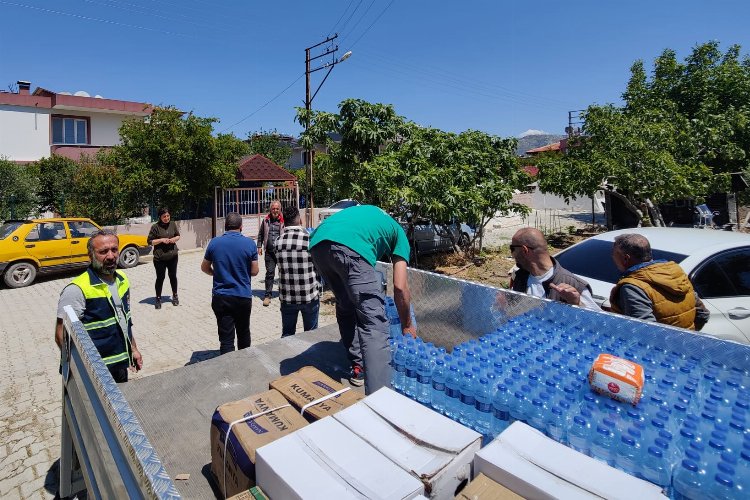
(415, 172)
(680, 132)
(56, 183)
(98, 192)
(270, 145)
(170, 157)
(18, 187)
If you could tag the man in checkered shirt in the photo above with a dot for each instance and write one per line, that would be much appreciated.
(299, 284)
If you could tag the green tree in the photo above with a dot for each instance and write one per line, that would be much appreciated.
(18, 188)
(56, 183)
(171, 156)
(364, 128)
(680, 133)
(98, 192)
(270, 145)
(441, 176)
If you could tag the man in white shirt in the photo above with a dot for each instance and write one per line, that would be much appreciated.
(540, 275)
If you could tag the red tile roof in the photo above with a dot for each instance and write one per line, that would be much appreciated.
(555, 146)
(260, 168)
(531, 170)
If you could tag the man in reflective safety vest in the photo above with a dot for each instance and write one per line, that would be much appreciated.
(101, 299)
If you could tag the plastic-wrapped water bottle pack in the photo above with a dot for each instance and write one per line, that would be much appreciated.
(689, 434)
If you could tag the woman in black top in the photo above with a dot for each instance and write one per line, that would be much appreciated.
(163, 236)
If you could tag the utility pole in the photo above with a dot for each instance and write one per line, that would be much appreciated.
(310, 153)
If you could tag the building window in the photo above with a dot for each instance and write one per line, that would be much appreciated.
(67, 130)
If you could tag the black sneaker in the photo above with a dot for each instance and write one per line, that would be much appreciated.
(357, 376)
(157, 304)
(175, 300)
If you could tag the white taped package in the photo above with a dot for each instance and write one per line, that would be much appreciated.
(432, 447)
(534, 466)
(325, 460)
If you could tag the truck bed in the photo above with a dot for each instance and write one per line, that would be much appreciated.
(175, 407)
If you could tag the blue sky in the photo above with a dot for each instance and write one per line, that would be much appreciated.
(500, 67)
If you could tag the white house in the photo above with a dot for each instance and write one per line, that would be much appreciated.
(34, 126)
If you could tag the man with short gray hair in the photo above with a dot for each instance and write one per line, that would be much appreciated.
(653, 290)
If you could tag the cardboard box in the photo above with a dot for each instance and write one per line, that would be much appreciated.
(309, 384)
(254, 493)
(534, 466)
(484, 488)
(327, 461)
(433, 448)
(246, 437)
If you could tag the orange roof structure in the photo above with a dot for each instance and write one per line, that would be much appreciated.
(259, 168)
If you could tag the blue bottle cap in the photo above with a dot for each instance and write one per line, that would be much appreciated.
(608, 422)
(604, 431)
(662, 443)
(579, 420)
(653, 450)
(693, 455)
(627, 440)
(690, 465)
(665, 434)
(697, 446)
(724, 480)
(658, 423)
(636, 433)
(634, 413)
(557, 411)
(716, 444)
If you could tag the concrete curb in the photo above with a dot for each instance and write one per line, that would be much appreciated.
(150, 257)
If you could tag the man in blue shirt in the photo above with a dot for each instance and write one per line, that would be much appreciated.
(232, 259)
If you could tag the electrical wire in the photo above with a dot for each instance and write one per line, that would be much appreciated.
(343, 26)
(371, 24)
(88, 18)
(354, 28)
(264, 105)
(332, 30)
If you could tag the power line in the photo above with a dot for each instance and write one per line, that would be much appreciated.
(372, 24)
(264, 105)
(364, 14)
(343, 26)
(151, 12)
(87, 18)
(341, 17)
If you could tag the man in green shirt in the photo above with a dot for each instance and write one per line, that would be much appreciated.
(344, 249)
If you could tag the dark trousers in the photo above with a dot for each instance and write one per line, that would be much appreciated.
(289, 313)
(162, 267)
(119, 372)
(232, 315)
(360, 309)
(271, 261)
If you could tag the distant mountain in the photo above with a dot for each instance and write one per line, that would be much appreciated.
(535, 141)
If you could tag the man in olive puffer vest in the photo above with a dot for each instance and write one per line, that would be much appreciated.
(653, 290)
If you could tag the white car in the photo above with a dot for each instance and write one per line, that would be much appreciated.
(323, 213)
(717, 263)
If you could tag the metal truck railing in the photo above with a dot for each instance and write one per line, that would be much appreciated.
(104, 449)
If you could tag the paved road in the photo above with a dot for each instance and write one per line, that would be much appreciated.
(30, 389)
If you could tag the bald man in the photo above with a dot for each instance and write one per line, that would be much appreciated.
(540, 275)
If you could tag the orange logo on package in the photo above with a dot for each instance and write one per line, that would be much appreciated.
(617, 378)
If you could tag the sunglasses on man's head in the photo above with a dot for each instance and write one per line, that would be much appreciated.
(513, 247)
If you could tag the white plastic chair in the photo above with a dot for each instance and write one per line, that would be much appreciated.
(705, 216)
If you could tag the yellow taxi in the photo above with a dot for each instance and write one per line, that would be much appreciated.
(38, 246)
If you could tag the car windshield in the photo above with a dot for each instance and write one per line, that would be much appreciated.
(345, 204)
(593, 259)
(8, 228)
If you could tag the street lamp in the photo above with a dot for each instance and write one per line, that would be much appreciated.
(308, 106)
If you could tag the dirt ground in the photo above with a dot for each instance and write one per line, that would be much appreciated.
(492, 267)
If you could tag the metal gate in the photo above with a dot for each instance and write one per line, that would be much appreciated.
(252, 204)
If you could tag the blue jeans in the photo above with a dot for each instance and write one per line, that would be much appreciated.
(289, 317)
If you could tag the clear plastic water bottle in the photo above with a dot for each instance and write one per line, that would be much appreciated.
(657, 468)
(628, 455)
(579, 435)
(452, 392)
(424, 377)
(538, 415)
(467, 409)
(483, 406)
(410, 381)
(556, 425)
(723, 488)
(501, 409)
(398, 362)
(603, 443)
(437, 398)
